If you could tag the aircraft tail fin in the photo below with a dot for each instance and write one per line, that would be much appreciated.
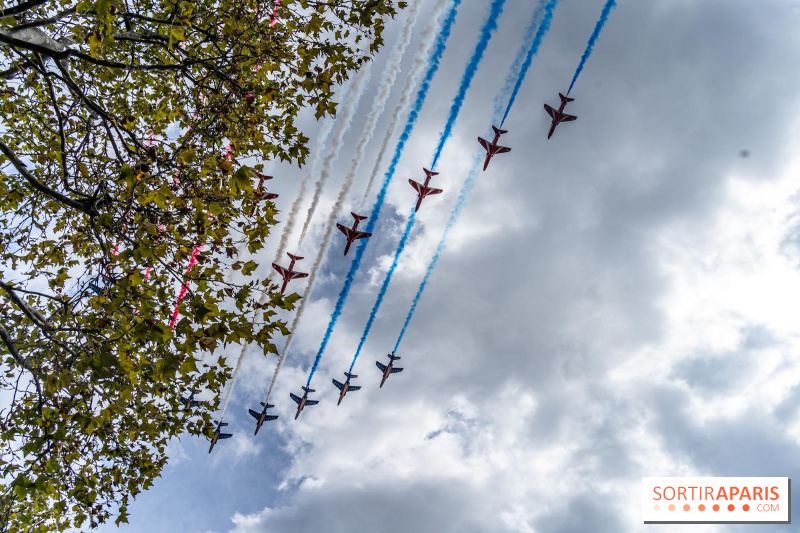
(351, 376)
(307, 389)
(358, 217)
(498, 131)
(263, 404)
(429, 173)
(565, 98)
(295, 257)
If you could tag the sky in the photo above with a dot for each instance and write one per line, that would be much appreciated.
(616, 302)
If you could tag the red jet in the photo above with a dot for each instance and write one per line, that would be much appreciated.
(422, 189)
(345, 387)
(261, 193)
(492, 148)
(558, 115)
(351, 233)
(262, 416)
(302, 402)
(287, 273)
(388, 369)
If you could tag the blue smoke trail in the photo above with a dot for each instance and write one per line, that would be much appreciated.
(472, 67)
(422, 93)
(610, 4)
(462, 197)
(469, 73)
(532, 51)
(385, 286)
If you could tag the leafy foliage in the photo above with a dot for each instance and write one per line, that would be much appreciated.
(123, 128)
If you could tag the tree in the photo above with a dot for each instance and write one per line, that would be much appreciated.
(124, 128)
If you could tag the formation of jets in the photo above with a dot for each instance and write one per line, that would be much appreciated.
(352, 234)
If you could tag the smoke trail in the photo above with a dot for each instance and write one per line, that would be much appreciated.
(401, 109)
(343, 122)
(378, 106)
(400, 247)
(472, 67)
(520, 70)
(422, 93)
(469, 73)
(532, 51)
(462, 196)
(311, 170)
(610, 4)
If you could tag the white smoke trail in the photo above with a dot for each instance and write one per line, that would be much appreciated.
(401, 109)
(343, 122)
(378, 106)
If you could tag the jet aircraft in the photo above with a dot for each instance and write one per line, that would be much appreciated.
(422, 188)
(218, 434)
(287, 273)
(388, 369)
(190, 402)
(492, 148)
(345, 387)
(351, 233)
(302, 402)
(261, 193)
(262, 416)
(558, 115)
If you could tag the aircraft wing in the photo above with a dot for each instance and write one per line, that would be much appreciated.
(396, 370)
(550, 111)
(282, 271)
(271, 417)
(338, 385)
(415, 185)
(484, 143)
(344, 229)
(184, 399)
(381, 366)
(355, 387)
(432, 191)
(254, 414)
(297, 275)
(567, 118)
(312, 402)
(502, 149)
(225, 435)
(362, 235)
(295, 397)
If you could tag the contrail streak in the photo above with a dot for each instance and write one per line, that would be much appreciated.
(519, 69)
(378, 106)
(610, 4)
(401, 109)
(422, 93)
(533, 48)
(469, 73)
(343, 123)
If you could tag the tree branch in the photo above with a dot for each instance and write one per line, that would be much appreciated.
(20, 8)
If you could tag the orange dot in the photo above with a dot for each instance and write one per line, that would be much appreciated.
(686, 507)
(716, 507)
(671, 507)
(656, 507)
(746, 507)
(731, 507)
(701, 507)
